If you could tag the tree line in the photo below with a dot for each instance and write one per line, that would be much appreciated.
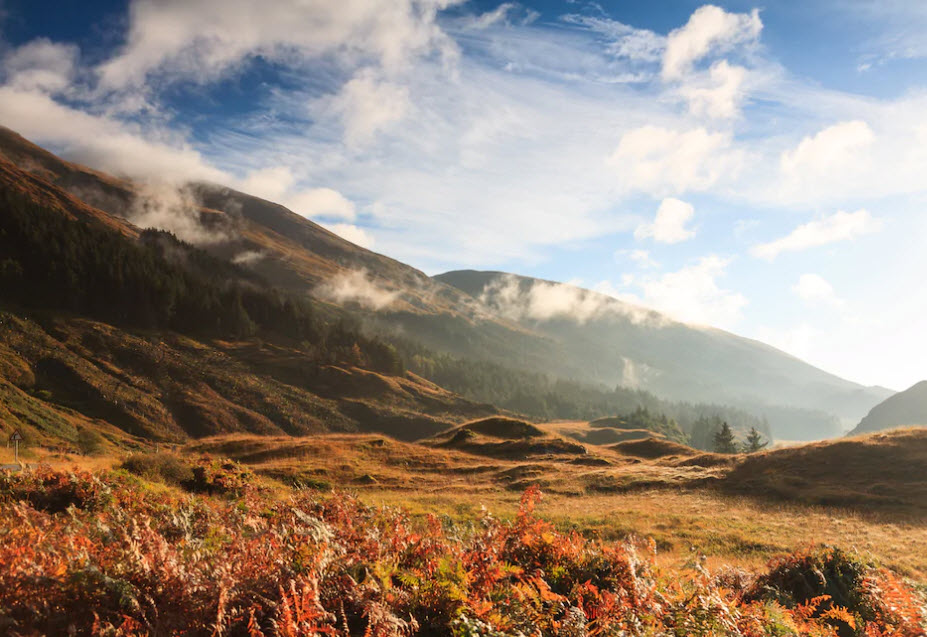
(55, 263)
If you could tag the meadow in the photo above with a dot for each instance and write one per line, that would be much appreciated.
(364, 535)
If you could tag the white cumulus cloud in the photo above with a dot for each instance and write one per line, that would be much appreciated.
(669, 226)
(321, 202)
(828, 150)
(354, 234)
(691, 294)
(719, 95)
(709, 28)
(663, 161)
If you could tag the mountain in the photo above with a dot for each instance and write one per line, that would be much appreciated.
(594, 341)
(110, 335)
(901, 410)
(618, 343)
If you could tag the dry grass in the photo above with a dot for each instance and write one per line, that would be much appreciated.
(683, 506)
(684, 500)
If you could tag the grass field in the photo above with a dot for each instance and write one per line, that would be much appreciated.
(685, 501)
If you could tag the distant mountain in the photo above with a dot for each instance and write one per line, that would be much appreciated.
(620, 343)
(567, 333)
(903, 409)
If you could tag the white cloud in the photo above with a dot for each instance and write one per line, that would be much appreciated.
(622, 40)
(321, 202)
(840, 226)
(829, 150)
(174, 208)
(357, 286)
(365, 106)
(719, 96)
(669, 226)
(276, 183)
(103, 142)
(357, 236)
(535, 300)
(196, 40)
(662, 161)
(497, 15)
(709, 28)
(816, 289)
(41, 65)
(270, 183)
(691, 294)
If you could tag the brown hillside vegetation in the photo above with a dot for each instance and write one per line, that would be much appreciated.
(687, 500)
(66, 374)
(597, 434)
(505, 438)
(884, 470)
(652, 448)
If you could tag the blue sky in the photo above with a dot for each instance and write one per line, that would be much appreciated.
(759, 168)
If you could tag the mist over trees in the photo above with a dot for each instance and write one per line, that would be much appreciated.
(54, 263)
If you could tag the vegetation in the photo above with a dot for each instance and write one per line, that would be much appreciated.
(542, 397)
(724, 441)
(102, 555)
(52, 262)
(754, 442)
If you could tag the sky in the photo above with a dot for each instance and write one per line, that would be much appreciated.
(761, 168)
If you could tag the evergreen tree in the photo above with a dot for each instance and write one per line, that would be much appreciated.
(755, 441)
(724, 439)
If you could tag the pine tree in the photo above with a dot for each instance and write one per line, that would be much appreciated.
(755, 441)
(724, 439)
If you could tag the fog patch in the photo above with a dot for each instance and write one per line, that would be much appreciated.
(175, 209)
(516, 299)
(248, 257)
(357, 286)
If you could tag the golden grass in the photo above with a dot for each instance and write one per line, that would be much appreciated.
(682, 500)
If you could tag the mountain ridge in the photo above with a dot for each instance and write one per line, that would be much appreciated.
(904, 409)
(674, 352)
(398, 300)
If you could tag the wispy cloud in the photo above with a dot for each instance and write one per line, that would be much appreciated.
(840, 226)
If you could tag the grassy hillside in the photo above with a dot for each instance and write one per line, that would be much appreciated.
(123, 336)
(621, 344)
(300, 256)
(901, 410)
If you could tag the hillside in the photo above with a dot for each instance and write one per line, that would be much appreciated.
(623, 344)
(901, 410)
(882, 470)
(446, 314)
(113, 336)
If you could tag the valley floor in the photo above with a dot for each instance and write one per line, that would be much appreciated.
(691, 503)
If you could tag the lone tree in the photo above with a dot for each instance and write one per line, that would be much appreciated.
(724, 439)
(755, 441)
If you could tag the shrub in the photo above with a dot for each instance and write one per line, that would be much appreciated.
(159, 467)
(139, 562)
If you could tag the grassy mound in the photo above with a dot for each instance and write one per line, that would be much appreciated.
(505, 438)
(878, 470)
(505, 428)
(652, 448)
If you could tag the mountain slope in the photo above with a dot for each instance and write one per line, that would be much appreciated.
(620, 343)
(901, 410)
(135, 335)
(634, 347)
